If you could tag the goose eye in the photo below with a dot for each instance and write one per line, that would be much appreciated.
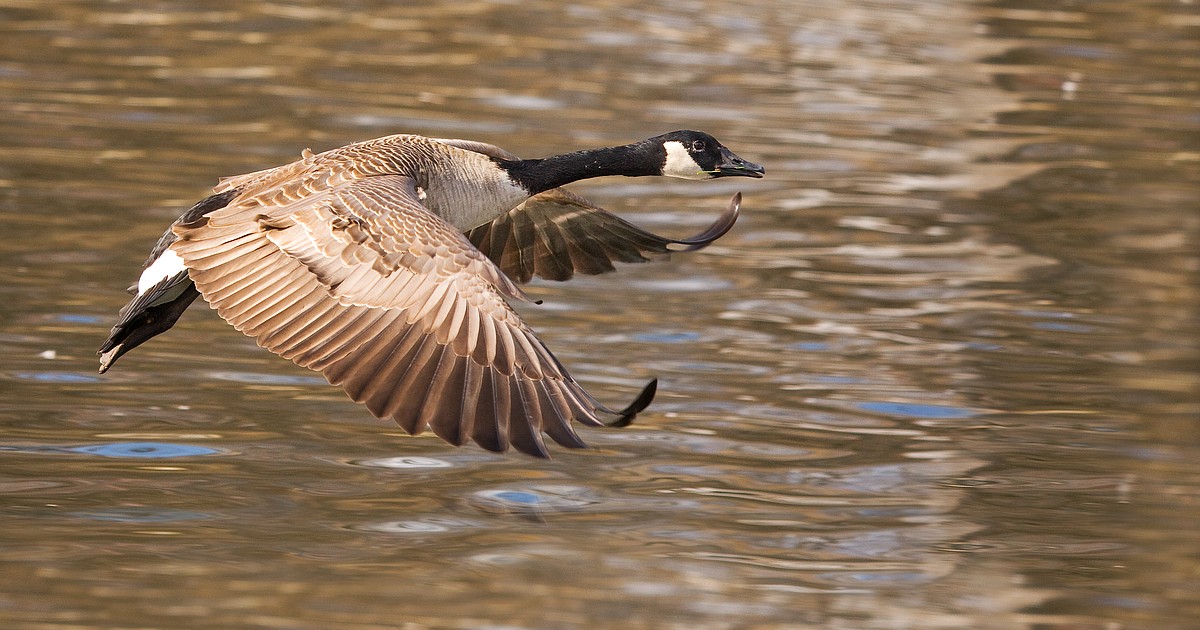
(698, 146)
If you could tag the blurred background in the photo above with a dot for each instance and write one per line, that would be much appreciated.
(942, 373)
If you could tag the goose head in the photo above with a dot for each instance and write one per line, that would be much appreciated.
(697, 155)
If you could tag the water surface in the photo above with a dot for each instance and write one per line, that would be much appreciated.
(942, 374)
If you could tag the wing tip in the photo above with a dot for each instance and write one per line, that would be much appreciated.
(719, 228)
(642, 401)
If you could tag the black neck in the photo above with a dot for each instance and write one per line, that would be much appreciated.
(632, 160)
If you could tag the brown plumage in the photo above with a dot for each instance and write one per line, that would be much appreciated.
(354, 263)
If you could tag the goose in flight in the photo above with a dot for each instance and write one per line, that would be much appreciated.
(386, 266)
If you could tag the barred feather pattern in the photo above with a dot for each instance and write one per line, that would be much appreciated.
(392, 303)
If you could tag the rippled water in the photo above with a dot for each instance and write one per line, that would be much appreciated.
(942, 374)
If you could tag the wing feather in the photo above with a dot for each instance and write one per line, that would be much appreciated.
(526, 428)
(443, 404)
(555, 234)
(358, 280)
(486, 430)
(457, 430)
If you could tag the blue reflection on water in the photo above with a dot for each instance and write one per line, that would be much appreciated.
(140, 515)
(667, 337)
(809, 346)
(538, 498)
(255, 378)
(76, 318)
(517, 496)
(146, 450)
(916, 411)
(1064, 327)
(57, 377)
(894, 577)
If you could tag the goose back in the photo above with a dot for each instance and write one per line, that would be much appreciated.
(465, 187)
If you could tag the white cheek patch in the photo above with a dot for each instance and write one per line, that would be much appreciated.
(167, 265)
(680, 163)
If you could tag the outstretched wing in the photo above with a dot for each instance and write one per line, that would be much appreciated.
(558, 233)
(393, 304)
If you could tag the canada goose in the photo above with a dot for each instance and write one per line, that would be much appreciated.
(354, 263)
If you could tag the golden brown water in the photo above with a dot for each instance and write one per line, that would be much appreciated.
(942, 374)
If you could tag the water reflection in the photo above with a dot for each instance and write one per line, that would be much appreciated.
(139, 515)
(137, 450)
(941, 374)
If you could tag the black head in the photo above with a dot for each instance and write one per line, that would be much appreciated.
(697, 155)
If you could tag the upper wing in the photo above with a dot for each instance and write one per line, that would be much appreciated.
(393, 304)
(557, 233)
